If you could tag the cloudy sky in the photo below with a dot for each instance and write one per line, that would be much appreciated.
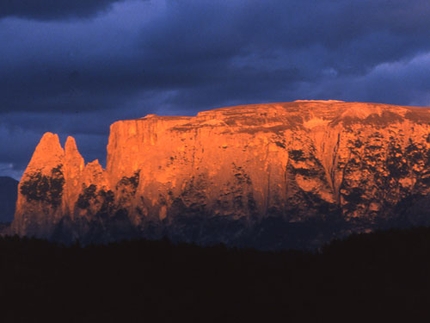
(74, 67)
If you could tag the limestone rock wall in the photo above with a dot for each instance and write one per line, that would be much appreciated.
(293, 161)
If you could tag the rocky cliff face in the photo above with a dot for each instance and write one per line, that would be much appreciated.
(269, 175)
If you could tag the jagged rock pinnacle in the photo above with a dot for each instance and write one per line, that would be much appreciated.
(48, 152)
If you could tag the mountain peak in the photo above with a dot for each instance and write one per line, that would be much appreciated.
(72, 157)
(48, 153)
(50, 141)
(70, 145)
(238, 175)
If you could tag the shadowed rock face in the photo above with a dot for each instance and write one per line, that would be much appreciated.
(259, 175)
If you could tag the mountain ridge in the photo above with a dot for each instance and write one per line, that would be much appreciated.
(226, 174)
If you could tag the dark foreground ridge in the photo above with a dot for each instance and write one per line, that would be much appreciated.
(378, 276)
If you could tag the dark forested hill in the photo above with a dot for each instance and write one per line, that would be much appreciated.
(8, 195)
(379, 276)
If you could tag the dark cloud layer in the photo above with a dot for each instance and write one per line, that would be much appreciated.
(132, 57)
(53, 9)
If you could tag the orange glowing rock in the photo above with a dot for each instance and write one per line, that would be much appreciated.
(294, 160)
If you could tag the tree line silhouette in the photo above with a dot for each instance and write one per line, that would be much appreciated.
(382, 275)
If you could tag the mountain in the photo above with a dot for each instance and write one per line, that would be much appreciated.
(8, 195)
(269, 176)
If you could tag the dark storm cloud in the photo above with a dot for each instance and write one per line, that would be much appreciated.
(53, 9)
(248, 49)
(264, 51)
(133, 57)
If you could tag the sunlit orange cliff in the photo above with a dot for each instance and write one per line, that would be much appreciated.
(240, 175)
